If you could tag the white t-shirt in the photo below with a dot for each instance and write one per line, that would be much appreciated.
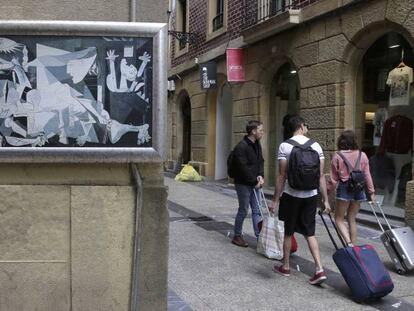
(284, 152)
(399, 80)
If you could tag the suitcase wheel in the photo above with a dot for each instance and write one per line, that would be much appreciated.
(400, 271)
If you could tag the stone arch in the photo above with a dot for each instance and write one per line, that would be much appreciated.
(353, 56)
(270, 111)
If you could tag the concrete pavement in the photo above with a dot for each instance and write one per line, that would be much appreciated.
(207, 272)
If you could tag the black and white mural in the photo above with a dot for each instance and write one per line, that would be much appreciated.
(75, 91)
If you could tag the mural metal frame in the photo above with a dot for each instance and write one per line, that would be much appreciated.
(156, 153)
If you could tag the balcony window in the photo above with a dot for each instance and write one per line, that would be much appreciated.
(218, 20)
(217, 15)
(182, 23)
(268, 8)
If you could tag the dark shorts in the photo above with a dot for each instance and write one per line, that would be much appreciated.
(343, 194)
(298, 214)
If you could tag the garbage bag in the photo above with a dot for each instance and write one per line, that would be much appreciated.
(188, 173)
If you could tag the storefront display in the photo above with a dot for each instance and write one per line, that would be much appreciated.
(390, 143)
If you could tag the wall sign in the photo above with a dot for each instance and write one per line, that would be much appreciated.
(208, 75)
(235, 65)
(92, 90)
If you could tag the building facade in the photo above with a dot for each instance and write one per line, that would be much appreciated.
(330, 61)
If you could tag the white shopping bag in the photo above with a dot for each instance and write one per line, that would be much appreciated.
(270, 241)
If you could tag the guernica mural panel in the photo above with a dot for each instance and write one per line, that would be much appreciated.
(63, 91)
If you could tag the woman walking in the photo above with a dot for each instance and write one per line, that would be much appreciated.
(348, 198)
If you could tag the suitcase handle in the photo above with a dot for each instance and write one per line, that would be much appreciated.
(329, 231)
(372, 205)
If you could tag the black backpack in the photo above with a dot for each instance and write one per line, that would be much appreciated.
(231, 165)
(304, 166)
(356, 181)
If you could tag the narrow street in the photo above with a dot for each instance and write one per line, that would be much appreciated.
(207, 272)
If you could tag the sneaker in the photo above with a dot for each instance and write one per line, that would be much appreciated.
(281, 270)
(238, 240)
(318, 278)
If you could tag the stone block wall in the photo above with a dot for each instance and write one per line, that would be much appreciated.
(68, 237)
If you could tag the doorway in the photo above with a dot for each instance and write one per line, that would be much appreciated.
(186, 140)
(182, 133)
(224, 130)
(284, 100)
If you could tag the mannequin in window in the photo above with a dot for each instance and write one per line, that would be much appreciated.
(381, 115)
(397, 142)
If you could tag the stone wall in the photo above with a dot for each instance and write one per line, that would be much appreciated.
(68, 235)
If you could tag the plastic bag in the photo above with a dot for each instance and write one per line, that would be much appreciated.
(188, 173)
(270, 242)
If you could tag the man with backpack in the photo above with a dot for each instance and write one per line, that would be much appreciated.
(246, 166)
(301, 164)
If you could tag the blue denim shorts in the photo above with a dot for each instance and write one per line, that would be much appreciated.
(342, 193)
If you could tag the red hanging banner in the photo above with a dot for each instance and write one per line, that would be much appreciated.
(235, 65)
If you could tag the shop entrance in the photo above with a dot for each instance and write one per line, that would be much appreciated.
(224, 130)
(183, 124)
(384, 115)
(284, 100)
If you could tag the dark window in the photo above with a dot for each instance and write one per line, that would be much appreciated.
(183, 8)
(219, 18)
(279, 6)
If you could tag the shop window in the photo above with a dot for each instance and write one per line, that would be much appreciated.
(217, 11)
(385, 113)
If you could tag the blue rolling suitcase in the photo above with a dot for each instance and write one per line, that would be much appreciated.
(362, 269)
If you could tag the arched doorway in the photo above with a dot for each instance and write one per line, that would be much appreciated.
(183, 129)
(384, 114)
(224, 130)
(284, 99)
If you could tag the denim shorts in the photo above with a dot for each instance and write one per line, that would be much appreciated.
(342, 193)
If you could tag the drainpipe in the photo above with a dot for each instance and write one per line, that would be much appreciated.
(137, 238)
(132, 11)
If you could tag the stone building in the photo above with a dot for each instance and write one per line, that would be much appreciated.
(327, 60)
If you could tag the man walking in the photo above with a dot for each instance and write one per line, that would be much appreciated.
(296, 191)
(248, 177)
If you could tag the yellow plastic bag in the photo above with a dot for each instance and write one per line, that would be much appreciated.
(188, 173)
